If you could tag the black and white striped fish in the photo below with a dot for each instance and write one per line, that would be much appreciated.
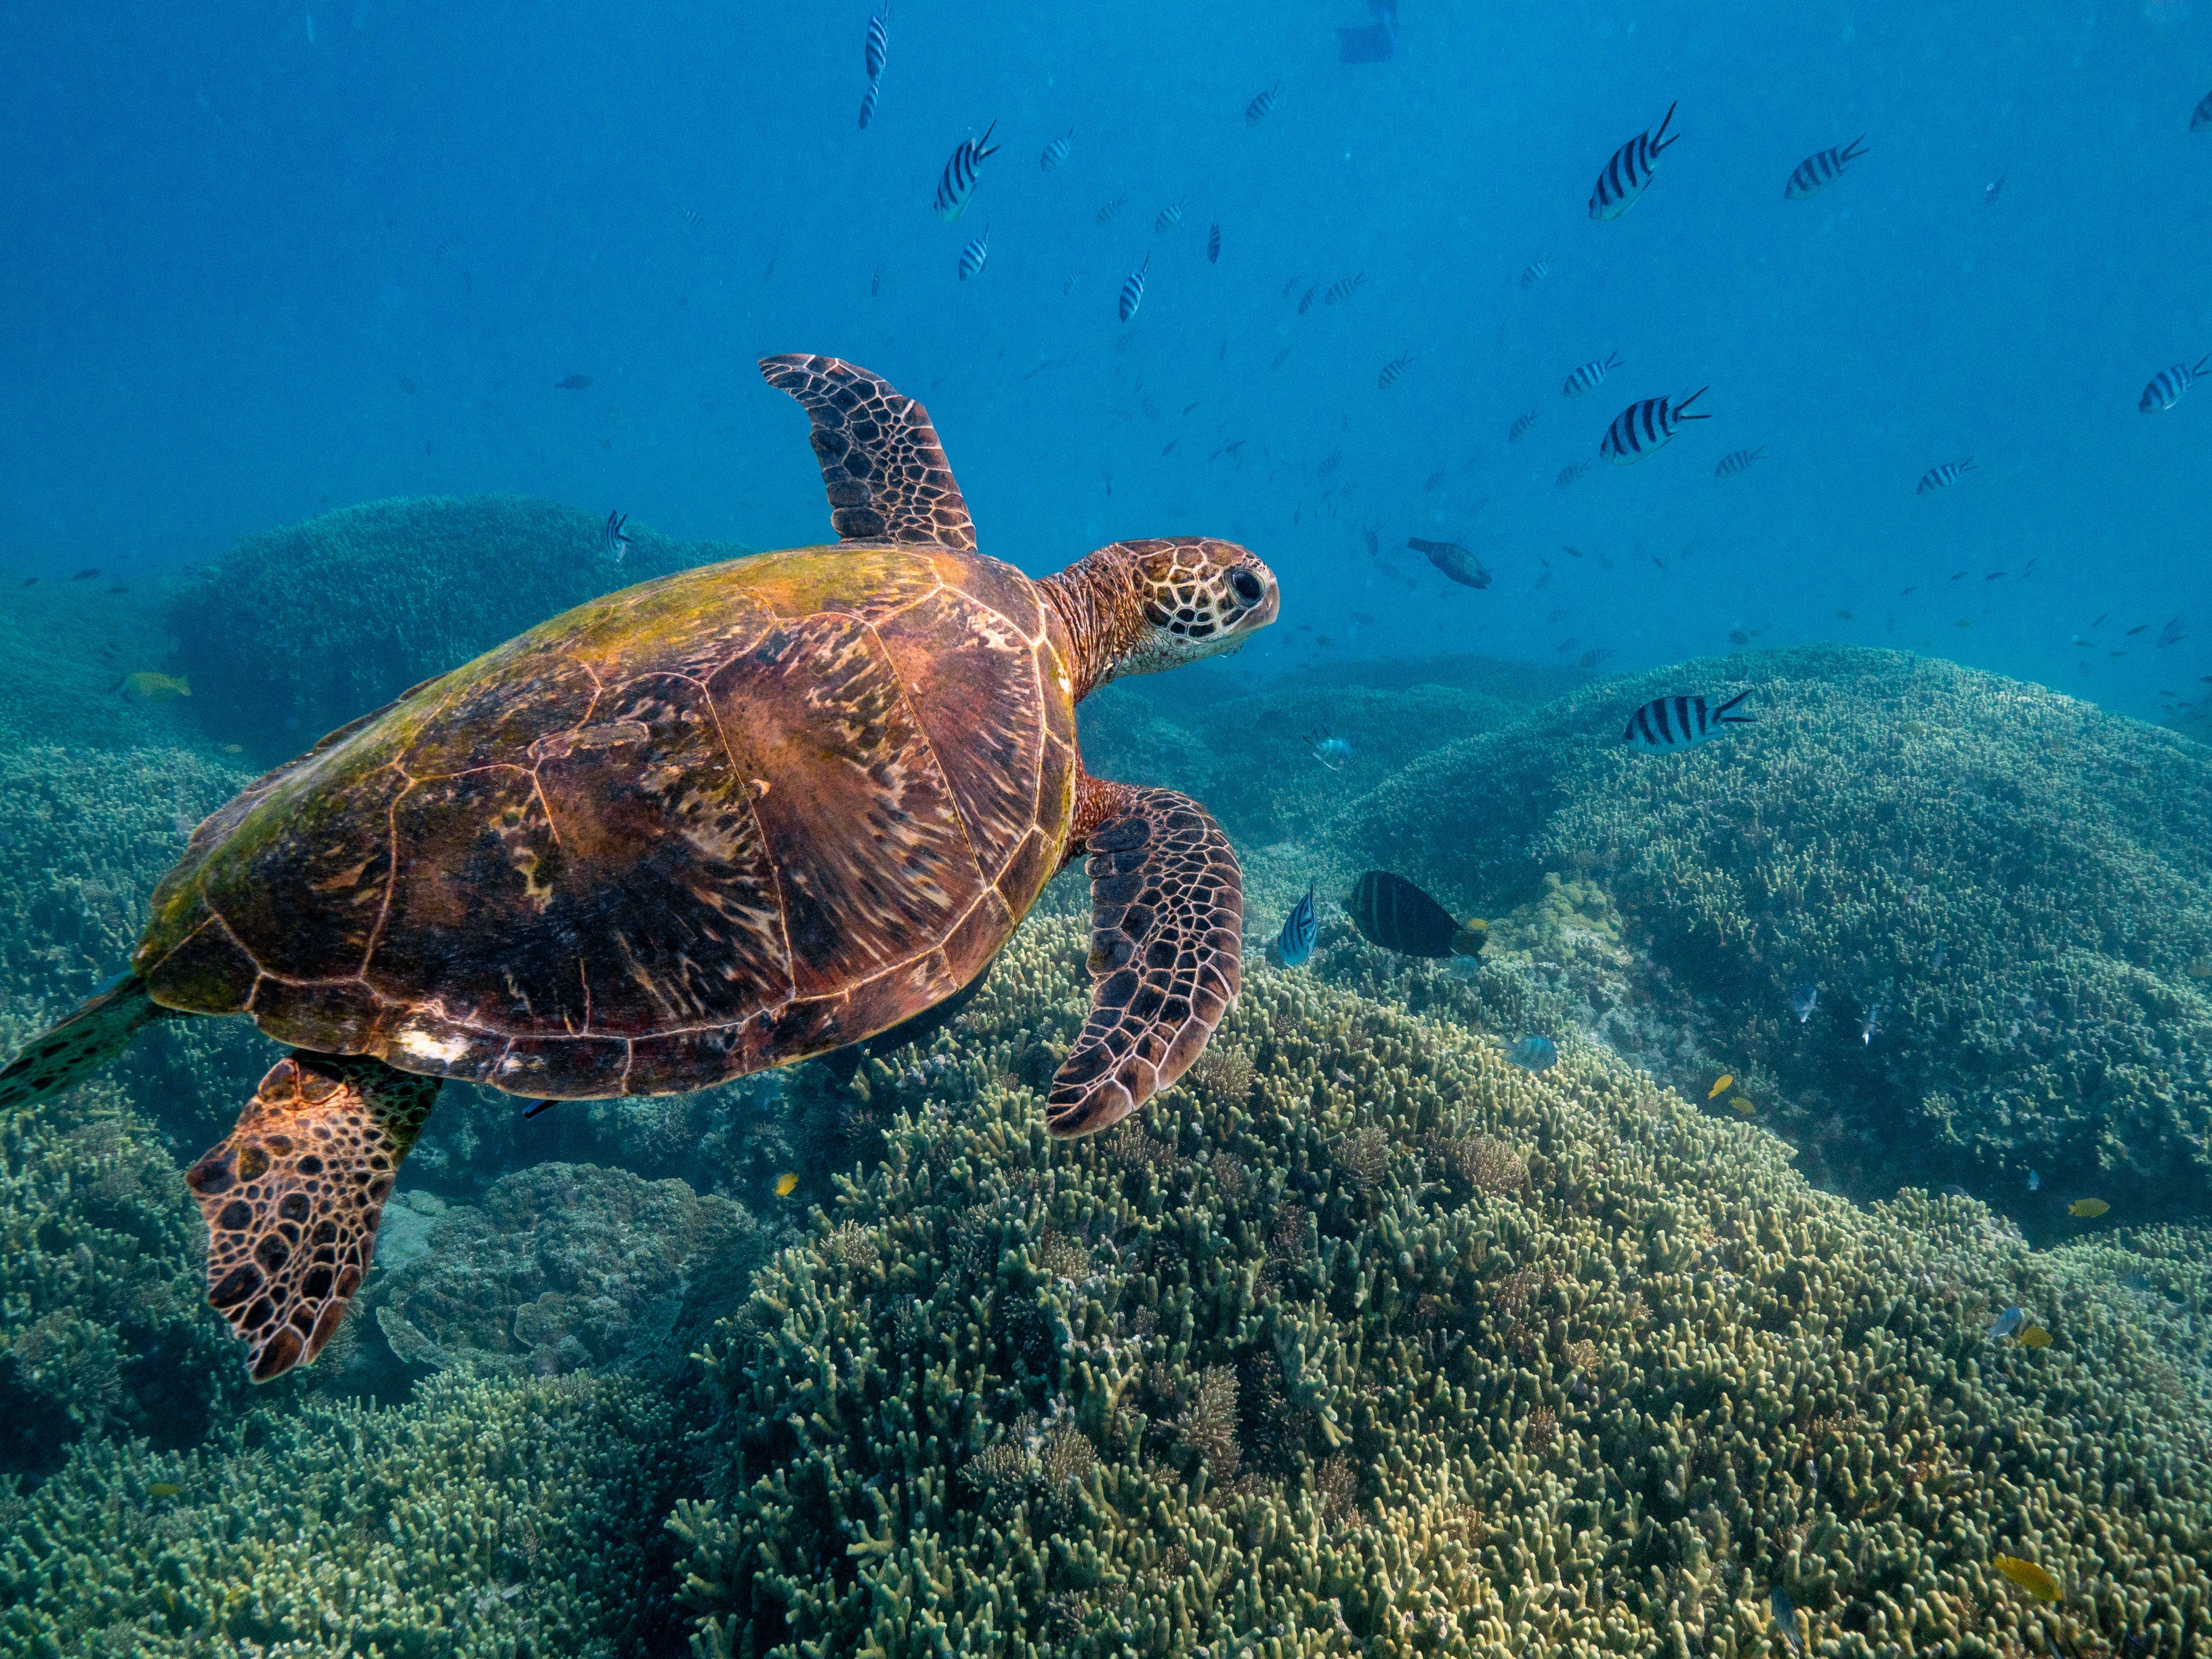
(1305, 301)
(1295, 942)
(1110, 210)
(868, 103)
(1941, 478)
(1629, 173)
(1343, 289)
(1817, 172)
(878, 43)
(1569, 472)
(1213, 245)
(2202, 120)
(958, 182)
(1590, 376)
(1393, 371)
(1133, 291)
(1056, 152)
(972, 256)
(1666, 724)
(1261, 105)
(1519, 430)
(2166, 385)
(613, 545)
(692, 217)
(1169, 217)
(1535, 271)
(1643, 427)
(1736, 461)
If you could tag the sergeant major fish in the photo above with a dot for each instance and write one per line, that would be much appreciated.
(1056, 152)
(878, 44)
(1133, 291)
(2166, 385)
(1943, 476)
(1295, 942)
(1737, 460)
(1519, 430)
(1590, 376)
(1666, 724)
(958, 182)
(1643, 427)
(1628, 174)
(613, 545)
(1817, 172)
(972, 256)
(1263, 105)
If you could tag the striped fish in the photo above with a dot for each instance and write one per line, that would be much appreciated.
(1736, 460)
(1133, 291)
(1642, 428)
(1295, 942)
(613, 545)
(1306, 303)
(1169, 217)
(1816, 173)
(1590, 376)
(1056, 152)
(692, 217)
(1666, 724)
(1629, 173)
(1941, 478)
(972, 256)
(2202, 121)
(2166, 385)
(868, 104)
(1534, 273)
(1263, 105)
(958, 182)
(1569, 472)
(1213, 245)
(1393, 371)
(878, 43)
(1110, 210)
(1343, 289)
(1519, 430)
(1391, 912)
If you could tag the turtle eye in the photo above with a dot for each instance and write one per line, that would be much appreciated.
(1247, 586)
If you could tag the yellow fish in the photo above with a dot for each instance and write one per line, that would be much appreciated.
(2029, 1576)
(1726, 1078)
(2035, 1336)
(150, 687)
(2088, 1208)
(165, 1489)
(1742, 1106)
(786, 1185)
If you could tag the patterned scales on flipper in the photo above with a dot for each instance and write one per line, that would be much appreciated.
(886, 475)
(81, 1044)
(293, 1197)
(1167, 932)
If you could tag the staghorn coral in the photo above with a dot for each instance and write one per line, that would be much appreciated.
(1670, 1376)
(294, 632)
(482, 1519)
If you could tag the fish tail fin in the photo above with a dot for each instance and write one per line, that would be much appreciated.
(1722, 713)
(1687, 401)
(1659, 138)
(94, 1035)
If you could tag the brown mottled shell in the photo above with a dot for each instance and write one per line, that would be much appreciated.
(713, 823)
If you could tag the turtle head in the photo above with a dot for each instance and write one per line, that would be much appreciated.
(1139, 607)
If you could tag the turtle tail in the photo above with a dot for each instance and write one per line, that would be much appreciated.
(81, 1044)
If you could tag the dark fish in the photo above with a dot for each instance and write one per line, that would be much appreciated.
(972, 256)
(1056, 152)
(1519, 430)
(406, 385)
(1168, 449)
(574, 383)
(613, 545)
(1736, 461)
(1803, 1001)
(87, 573)
(1994, 188)
(1629, 173)
(958, 182)
(543, 1105)
(1454, 560)
(1305, 303)
(1214, 244)
(2137, 629)
(1133, 291)
(1643, 427)
(2166, 385)
(1590, 376)
(1374, 542)
(1569, 472)
(1817, 172)
(1939, 477)
(1737, 636)
(1295, 942)
(1534, 1053)
(2170, 634)
(1666, 724)
(868, 103)
(878, 44)
(1263, 105)
(1343, 289)
(1110, 209)
(876, 284)
(2201, 121)
(1592, 658)
(28, 581)
(1193, 404)
(1393, 371)
(1536, 270)
(1169, 217)
(1429, 485)
(1391, 912)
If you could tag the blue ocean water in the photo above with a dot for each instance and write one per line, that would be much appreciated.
(241, 236)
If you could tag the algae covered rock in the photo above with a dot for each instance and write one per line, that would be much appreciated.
(2011, 885)
(1365, 1342)
(294, 632)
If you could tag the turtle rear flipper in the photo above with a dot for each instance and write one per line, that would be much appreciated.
(1167, 934)
(293, 1197)
(81, 1044)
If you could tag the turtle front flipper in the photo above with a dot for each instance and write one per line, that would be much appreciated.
(293, 1197)
(885, 471)
(1167, 935)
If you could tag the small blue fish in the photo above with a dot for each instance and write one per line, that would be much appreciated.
(1943, 951)
(1872, 1028)
(1295, 942)
(1785, 1616)
(613, 545)
(2008, 1324)
(2034, 1182)
(1803, 1001)
(1535, 1053)
(1331, 752)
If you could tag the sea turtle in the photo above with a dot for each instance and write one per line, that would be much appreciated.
(716, 823)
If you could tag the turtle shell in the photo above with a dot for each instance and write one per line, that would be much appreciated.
(716, 823)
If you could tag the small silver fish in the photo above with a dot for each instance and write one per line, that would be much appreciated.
(2034, 1182)
(1872, 1027)
(2007, 1322)
(1331, 752)
(1942, 955)
(1803, 1001)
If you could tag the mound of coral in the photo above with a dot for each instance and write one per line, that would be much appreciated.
(1363, 1340)
(296, 631)
(2011, 888)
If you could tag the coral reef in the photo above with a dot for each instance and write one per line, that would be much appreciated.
(2012, 883)
(1550, 1362)
(296, 631)
(485, 1518)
